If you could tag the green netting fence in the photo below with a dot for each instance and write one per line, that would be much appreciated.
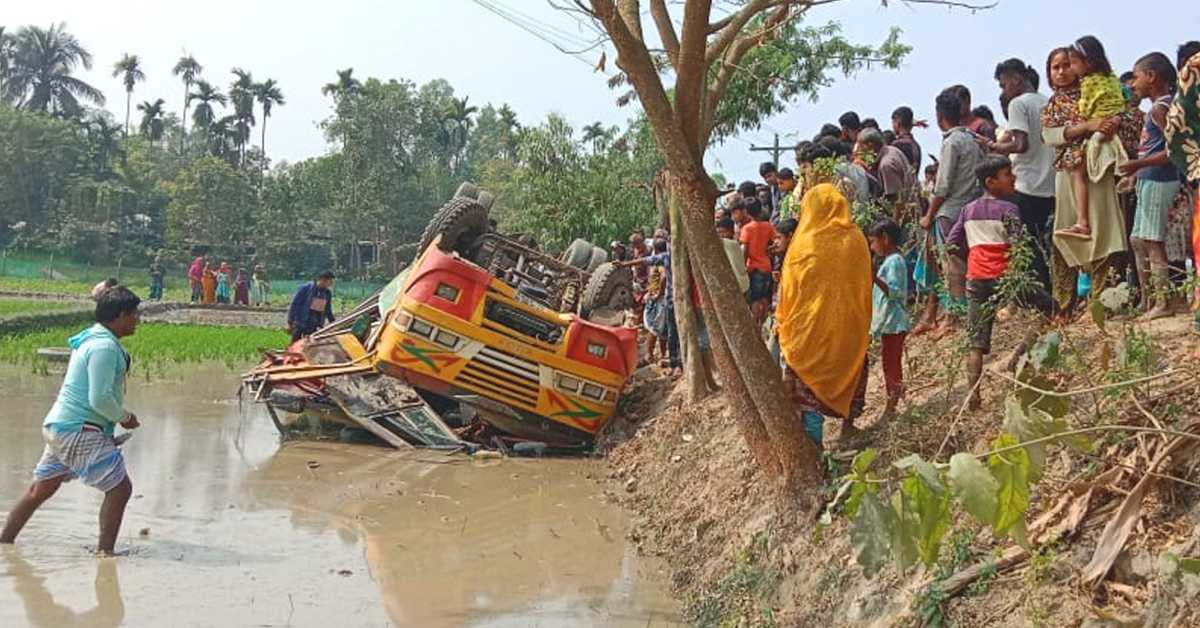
(43, 272)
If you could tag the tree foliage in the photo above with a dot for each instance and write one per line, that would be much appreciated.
(561, 187)
(71, 181)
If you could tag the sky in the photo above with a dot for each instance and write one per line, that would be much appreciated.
(302, 43)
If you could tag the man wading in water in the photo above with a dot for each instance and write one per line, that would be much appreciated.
(79, 428)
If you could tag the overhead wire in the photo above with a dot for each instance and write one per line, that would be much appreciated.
(559, 39)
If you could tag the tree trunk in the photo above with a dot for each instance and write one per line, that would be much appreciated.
(752, 378)
(128, 100)
(695, 372)
(187, 90)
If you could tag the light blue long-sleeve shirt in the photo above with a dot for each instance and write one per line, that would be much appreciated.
(94, 388)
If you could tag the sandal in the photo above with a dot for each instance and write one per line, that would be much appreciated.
(1075, 231)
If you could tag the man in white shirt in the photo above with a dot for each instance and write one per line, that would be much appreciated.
(1032, 159)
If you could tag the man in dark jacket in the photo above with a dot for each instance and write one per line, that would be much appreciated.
(312, 307)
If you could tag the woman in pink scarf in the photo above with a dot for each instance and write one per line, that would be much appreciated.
(195, 277)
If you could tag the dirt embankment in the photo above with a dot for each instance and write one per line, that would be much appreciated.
(699, 501)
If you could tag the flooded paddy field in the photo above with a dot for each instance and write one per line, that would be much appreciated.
(229, 527)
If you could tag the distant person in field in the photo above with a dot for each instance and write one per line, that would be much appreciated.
(312, 306)
(262, 286)
(157, 272)
(103, 287)
(78, 431)
(224, 283)
(196, 279)
(209, 281)
(241, 288)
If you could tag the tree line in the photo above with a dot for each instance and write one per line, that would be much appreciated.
(75, 180)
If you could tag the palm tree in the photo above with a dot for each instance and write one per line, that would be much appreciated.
(7, 50)
(241, 96)
(152, 119)
(458, 118)
(204, 114)
(346, 85)
(129, 68)
(268, 95)
(596, 135)
(222, 138)
(104, 138)
(188, 69)
(39, 77)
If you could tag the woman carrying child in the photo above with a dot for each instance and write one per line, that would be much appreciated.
(1065, 130)
(1100, 99)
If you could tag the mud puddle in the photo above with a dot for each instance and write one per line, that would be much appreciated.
(242, 531)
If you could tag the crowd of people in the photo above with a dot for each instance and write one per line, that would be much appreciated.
(214, 283)
(1097, 182)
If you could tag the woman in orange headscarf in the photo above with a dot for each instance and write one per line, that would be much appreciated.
(824, 312)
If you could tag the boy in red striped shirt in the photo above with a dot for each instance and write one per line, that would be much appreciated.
(986, 229)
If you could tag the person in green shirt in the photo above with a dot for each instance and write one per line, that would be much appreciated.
(789, 207)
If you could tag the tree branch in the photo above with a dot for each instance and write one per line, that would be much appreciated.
(692, 73)
(737, 21)
(729, 65)
(631, 14)
(666, 30)
(637, 64)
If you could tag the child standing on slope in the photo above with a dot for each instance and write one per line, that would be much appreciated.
(889, 318)
(1101, 98)
(1157, 183)
(987, 228)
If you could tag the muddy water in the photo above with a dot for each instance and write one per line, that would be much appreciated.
(230, 528)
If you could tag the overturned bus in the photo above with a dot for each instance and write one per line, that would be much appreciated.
(483, 341)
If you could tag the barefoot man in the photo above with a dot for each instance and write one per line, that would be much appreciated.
(79, 428)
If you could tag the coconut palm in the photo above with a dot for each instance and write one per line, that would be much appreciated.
(129, 68)
(187, 69)
(205, 95)
(152, 119)
(39, 77)
(268, 95)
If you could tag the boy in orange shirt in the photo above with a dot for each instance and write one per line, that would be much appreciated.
(756, 237)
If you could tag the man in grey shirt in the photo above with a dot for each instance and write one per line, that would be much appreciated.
(1032, 159)
(956, 186)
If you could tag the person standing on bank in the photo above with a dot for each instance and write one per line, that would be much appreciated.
(78, 431)
(1032, 159)
(312, 306)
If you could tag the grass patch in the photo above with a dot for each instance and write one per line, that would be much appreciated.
(12, 307)
(745, 594)
(156, 345)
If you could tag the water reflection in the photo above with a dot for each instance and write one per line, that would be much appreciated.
(240, 530)
(40, 607)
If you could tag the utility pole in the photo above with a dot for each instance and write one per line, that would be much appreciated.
(775, 149)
